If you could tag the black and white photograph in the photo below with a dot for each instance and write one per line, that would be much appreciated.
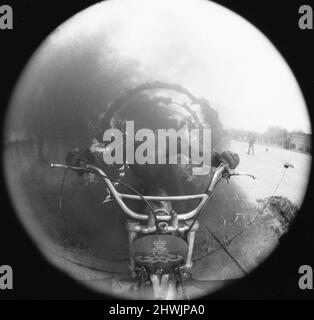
(157, 150)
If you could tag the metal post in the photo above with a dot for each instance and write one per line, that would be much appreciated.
(191, 238)
(131, 235)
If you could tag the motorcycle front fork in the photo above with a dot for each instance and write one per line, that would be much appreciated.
(163, 286)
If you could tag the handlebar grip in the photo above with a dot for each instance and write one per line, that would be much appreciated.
(58, 165)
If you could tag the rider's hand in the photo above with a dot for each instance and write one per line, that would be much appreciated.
(79, 159)
(230, 158)
(72, 158)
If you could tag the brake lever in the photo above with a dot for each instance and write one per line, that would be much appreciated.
(242, 174)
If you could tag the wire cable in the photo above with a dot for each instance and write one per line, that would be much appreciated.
(111, 180)
(135, 191)
(227, 251)
(61, 191)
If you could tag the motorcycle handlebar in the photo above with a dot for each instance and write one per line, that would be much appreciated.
(222, 171)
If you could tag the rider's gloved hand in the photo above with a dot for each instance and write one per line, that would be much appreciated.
(230, 158)
(72, 158)
(79, 158)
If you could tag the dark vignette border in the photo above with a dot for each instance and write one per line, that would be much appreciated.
(277, 277)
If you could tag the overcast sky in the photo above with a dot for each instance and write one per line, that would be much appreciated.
(208, 49)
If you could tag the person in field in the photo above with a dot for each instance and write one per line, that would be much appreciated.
(251, 144)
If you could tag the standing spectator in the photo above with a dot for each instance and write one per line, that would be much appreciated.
(251, 144)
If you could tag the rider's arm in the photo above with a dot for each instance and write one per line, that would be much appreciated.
(76, 157)
(230, 158)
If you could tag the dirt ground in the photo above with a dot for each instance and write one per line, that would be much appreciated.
(272, 177)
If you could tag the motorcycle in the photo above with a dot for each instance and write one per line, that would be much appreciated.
(161, 240)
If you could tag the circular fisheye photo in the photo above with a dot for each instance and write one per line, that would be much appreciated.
(157, 149)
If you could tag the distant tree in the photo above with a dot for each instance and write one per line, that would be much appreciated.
(278, 135)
